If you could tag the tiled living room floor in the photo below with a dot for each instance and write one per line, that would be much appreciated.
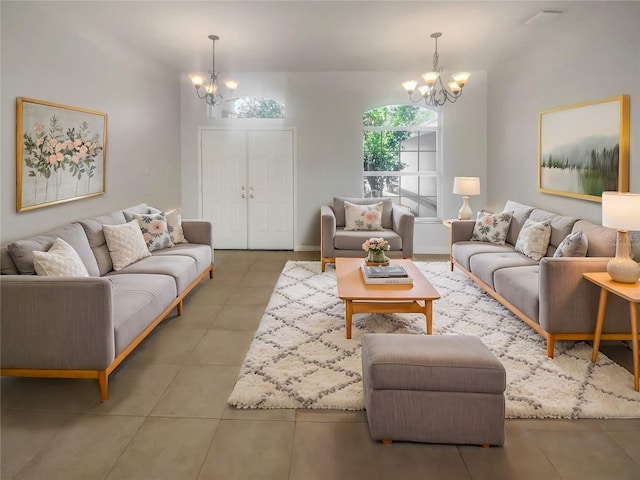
(167, 417)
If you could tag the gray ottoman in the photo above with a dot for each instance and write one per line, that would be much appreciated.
(433, 388)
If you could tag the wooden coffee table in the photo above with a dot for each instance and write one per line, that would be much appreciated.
(362, 298)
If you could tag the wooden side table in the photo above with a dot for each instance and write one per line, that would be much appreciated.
(631, 293)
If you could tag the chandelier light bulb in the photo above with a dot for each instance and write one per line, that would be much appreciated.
(197, 80)
(410, 86)
(461, 78)
(231, 84)
(454, 87)
(431, 77)
(425, 90)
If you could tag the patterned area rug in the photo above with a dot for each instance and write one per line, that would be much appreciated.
(300, 357)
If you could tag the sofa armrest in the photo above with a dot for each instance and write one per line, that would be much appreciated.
(327, 231)
(198, 231)
(403, 225)
(568, 302)
(56, 322)
(461, 230)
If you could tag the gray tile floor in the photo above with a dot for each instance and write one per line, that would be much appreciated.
(167, 417)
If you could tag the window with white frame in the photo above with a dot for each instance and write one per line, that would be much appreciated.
(401, 157)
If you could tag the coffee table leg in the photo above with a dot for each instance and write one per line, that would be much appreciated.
(428, 311)
(348, 315)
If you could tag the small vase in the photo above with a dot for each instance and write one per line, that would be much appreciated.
(377, 256)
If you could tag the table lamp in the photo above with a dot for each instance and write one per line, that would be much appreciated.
(466, 186)
(622, 212)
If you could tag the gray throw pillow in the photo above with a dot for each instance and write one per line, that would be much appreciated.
(574, 245)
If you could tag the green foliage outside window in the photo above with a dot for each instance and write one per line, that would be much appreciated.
(254, 107)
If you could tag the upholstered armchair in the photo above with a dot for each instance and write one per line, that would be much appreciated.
(397, 229)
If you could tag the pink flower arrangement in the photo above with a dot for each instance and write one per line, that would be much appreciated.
(376, 244)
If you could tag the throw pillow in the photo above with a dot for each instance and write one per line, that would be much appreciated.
(574, 245)
(363, 217)
(174, 224)
(491, 227)
(61, 260)
(154, 230)
(126, 243)
(533, 239)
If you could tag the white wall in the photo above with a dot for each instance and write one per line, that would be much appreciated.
(59, 61)
(598, 58)
(326, 110)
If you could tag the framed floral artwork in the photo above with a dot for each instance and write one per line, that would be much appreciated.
(60, 153)
(583, 149)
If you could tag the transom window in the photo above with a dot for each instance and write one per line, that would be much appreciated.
(401, 157)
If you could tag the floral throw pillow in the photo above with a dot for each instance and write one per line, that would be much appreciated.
(363, 217)
(174, 224)
(574, 245)
(492, 227)
(533, 239)
(154, 230)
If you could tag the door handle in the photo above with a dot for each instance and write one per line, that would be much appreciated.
(242, 187)
(243, 196)
(252, 187)
(251, 195)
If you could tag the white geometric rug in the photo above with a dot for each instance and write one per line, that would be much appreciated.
(300, 357)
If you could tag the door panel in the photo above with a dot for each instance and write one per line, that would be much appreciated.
(224, 174)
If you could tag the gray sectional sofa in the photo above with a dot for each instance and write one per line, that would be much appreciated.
(84, 327)
(549, 295)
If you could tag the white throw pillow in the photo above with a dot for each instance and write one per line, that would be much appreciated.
(154, 230)
(61, 260)
(492, 227)
(126, 243)
(363, 217)
(533, 239)
(575, 244)
(174, 223)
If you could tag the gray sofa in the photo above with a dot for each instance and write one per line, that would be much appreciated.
(84, 327)
(551, 295)
(335, 241)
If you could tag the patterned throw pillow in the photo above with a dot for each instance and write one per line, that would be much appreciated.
(574, 245)
(363, 217)
(154, 229)
(61, 260)
(126, 243)
(174, 224)
(533, 239)
(492, 227)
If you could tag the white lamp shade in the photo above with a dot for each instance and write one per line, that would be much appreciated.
(621, 210)
(466, 185)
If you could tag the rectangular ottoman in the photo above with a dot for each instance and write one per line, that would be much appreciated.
(433, 389)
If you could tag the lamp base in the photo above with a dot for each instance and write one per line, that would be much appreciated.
(622, 268)
(465, 211)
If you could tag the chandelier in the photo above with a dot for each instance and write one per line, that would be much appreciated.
(211, 92)
(435, 93)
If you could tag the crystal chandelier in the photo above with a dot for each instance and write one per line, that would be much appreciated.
(211, 92)
(435, 93)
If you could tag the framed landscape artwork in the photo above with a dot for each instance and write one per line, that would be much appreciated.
(60, 153)
(583, 150)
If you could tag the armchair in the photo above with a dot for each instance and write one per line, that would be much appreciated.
(335, 241)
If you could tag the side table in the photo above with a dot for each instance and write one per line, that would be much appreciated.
(629, 292)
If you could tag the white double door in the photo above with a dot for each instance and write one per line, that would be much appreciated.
(247, 187)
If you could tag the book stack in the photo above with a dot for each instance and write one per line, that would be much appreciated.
(390, 275)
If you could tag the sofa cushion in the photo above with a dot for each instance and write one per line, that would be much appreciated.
(181, 267)
(519, 285)
(61, 260)
(574, 245)
(601, 240)
(362, 217)
(73, 234)
(93, 230)
(533, 239)
(141, 209)
(463, 251)
(560, 226)
(387, 209)
(174, 224)
(126, 244)
(485, 265)
(202, 254)
(154, 230)
(491, 227)
(137, 301)
(353, 240)
(519, 216)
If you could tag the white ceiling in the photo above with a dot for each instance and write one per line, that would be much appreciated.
(268, 36)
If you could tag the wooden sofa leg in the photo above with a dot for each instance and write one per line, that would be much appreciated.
(323, 263)
(551, 343)
(103, 379)
(179, 307)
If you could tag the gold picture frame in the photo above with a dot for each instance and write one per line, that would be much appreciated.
(60, 153)
(583, 149)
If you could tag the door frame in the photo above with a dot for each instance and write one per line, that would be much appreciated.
(294, 134)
